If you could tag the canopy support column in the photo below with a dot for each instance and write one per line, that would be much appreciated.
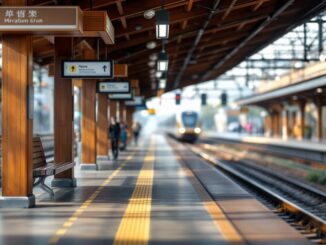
(88, 160)
(113, 109)
(122, 113)
(129, 120)
(102, 127)
(17, 122)
(63, 114)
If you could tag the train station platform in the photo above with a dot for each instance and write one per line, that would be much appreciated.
(305, 149)
(262, 140)
(156, 193)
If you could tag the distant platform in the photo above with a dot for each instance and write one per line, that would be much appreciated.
(297, 144)
(309, 150)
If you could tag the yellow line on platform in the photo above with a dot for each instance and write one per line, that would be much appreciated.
(69, 223)
(221, 221)
(134, 227)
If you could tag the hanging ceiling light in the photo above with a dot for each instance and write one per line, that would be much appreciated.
(162, 24)
(153, 57)
(162, 84)
(163, 61)
(151, 63)
(151, 45)
(163, 80)
(149, 14)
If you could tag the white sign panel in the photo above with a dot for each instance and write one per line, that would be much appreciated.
(113, 87)
(137, 101)
(128, 96)
(87, 69)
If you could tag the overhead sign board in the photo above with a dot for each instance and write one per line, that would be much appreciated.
(128, 96)
(113, 87)
(41, 20)
(87, 69)
(137, 101)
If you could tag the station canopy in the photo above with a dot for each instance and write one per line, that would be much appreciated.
(207, 37)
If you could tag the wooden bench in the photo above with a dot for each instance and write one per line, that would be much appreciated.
(43, 162)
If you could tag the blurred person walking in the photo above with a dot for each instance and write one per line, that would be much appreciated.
(114, 135)
(136, 127)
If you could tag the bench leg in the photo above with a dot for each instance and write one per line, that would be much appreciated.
(40, 181)
(36, 181)
(46, 188)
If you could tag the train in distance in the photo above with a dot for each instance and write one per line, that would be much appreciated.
(183, 125)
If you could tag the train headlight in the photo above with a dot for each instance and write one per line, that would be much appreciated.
(182, 130)
(197, 130)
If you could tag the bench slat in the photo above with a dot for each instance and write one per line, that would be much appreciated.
(37, 154)
(61, 167)
(43, 156)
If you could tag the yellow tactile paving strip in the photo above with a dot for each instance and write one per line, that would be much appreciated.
(70, 222)
(135, 225)
(222, 223)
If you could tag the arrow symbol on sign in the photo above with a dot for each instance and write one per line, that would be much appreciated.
(104, 68)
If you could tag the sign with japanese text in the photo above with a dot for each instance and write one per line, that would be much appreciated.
(87, 69)
(113, 87)
(31, 19)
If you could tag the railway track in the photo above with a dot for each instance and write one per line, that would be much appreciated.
(300, 205)
(305, 157)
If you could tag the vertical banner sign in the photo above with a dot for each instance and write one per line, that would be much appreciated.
(87, 69)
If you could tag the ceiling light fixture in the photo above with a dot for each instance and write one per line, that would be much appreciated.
(151, 63)
(149, 14)
(153, 57)
(163, 81)
(162, 84)
(163, 61)
(138, 27)
(162, 24)
(151, 45)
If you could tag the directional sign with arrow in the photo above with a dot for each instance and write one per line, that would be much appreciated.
(87, 69)
(111, 87)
